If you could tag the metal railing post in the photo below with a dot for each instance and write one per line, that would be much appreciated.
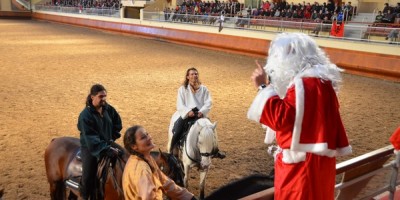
(393, 178)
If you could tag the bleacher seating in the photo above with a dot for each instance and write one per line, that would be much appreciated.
(284, 23)
(380, 29)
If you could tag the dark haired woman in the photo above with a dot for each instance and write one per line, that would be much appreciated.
(142, 179)
(98, 123)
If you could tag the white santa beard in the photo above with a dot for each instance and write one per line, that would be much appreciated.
(282, 73)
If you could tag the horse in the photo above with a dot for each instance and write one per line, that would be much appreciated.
(200, 145)
(64, 169)
(243, 187)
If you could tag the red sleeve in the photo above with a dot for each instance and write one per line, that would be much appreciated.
(279, 114)
(395, 139)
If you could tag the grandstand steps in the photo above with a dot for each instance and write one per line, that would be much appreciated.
(358, 25)
(144, 4)
(355, 30)
(363, 18)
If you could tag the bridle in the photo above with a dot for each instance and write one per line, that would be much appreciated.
(202, 154)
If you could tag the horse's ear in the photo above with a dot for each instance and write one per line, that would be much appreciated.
(161, 155)
(215, 125)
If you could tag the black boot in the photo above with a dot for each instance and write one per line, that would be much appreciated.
(177, 131)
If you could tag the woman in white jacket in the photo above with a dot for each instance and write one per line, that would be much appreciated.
(193, 102)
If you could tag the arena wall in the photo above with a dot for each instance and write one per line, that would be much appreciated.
(361, 58)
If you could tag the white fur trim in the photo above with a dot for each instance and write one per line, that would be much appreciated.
(299, 88)
(344, 151)
(270, 136)
(290, 157)
(257, 107)
(317, 148)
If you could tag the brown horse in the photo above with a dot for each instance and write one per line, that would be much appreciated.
(63, 169)
(1, 194)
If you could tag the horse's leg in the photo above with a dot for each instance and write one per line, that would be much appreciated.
(203, 175)
(57, 190)
(72, 196)
(185, 179)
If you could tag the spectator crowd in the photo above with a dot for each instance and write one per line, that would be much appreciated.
(86, 3)
(389, 14)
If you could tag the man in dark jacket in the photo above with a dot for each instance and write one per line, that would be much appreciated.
(99, 125)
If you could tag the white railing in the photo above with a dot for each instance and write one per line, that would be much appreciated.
(355, 32)
(24, 3)
(108, 12)
(369, 175)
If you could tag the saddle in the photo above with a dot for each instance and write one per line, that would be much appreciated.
(74, 171)
(181, 130)
(74, 174)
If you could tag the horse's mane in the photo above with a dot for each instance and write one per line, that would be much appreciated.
(203, 127)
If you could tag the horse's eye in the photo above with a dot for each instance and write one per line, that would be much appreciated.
(162, 168)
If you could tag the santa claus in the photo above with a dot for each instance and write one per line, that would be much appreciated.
(395, 140)
(297, 102)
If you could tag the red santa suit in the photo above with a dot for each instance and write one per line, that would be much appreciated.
(309, 132)
(395, 139)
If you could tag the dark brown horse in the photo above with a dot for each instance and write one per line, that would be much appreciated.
(63, 168)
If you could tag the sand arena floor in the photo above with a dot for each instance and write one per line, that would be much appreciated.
(46, 70)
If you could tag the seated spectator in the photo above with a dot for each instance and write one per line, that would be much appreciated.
(386, 8)
(388, 17)
(334, 16)
(397, 10)
(314, 16)
(393, 35)
(340, 16)
(289, 14)
(322, 25)
(349, 9)
(283, 13)
(307, 14)
(267, 13)
(277, 13)
(266, 6)
(379, 17)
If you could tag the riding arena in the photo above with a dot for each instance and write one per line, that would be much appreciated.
(47, 68)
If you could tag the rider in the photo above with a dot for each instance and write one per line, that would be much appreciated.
(193, 102)
(99, 124)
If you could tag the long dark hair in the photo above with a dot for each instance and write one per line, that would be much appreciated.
(186, 81)
(130, 139)
(96, 88)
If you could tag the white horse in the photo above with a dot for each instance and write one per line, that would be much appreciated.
(200, 145)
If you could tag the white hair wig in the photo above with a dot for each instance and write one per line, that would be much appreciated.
(296, 55)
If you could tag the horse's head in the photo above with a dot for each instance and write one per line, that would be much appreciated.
(170, 166)
(207, 140)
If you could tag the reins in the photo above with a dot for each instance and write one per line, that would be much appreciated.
(114, 179)
(106, 167)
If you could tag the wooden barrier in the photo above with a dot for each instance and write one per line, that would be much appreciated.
(15, 15)
(356, 62)
(356, 174)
